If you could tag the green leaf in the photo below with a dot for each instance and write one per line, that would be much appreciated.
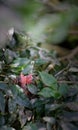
(57, 95)
(38, 106)
(2, 102)
(28, 69)
(9, 56)
(40, 61)
(52, 107)
(32, 89)
(49, 92)
(19, 64)
(16, 90)
(19, 97)
(63, 89)
(22, 100)
(46, 92)
(31, 126)
(12, 105)
(22, 117)
(47, 79)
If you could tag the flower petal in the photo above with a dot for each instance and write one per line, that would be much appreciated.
(29, 79)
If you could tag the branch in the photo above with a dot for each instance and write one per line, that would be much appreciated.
(70, 56)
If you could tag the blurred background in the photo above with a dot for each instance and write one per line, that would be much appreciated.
(51, 22)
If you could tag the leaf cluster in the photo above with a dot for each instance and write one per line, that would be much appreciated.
(47, 103)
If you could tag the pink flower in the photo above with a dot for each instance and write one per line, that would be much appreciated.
(24, 80)
(29, 79)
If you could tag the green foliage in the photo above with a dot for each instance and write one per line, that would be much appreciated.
(46, 103)
(47, 79)
(51, 82)
(47, 92)
(32, 89)
(20, 64)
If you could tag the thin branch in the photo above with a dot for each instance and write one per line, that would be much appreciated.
(63, 70)
(71, 55)
(68, 82)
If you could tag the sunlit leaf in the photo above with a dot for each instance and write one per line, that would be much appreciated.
(19, 64)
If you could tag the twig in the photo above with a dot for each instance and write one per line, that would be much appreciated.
(68, 82)
(71, 55)
(61, 71)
